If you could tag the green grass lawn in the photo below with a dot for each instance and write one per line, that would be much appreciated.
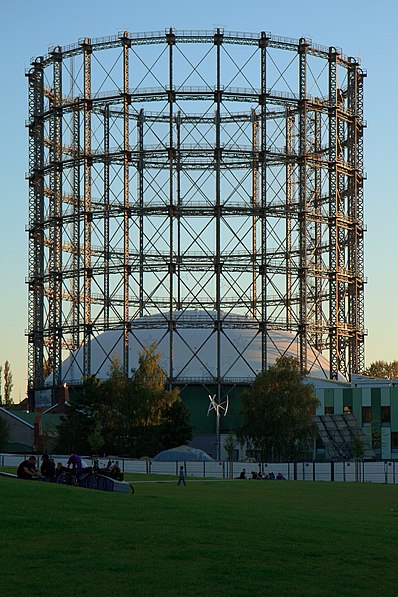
(210, 538)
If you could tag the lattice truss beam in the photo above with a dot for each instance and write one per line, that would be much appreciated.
(195, 170)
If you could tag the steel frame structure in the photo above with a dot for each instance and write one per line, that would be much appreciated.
(211, 170)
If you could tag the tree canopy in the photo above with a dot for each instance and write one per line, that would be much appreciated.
(278, 411)
(134, 415)
(382, 369)
(8, 385)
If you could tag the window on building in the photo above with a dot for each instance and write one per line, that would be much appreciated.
(394, 441)
(347, 409)
(385, 415)
(366, 414)
(329, 410)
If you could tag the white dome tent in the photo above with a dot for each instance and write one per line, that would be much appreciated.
(194, 349)
(183, 454)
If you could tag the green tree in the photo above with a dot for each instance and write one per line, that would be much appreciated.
(153, 408)
(278, 411)
(175, 429)
(134, 416)
(4, 432)
(8, 385)
(382, 369)
(73, 432)
(230, 445)
(358, 450)
(150, 398)
(96, 440)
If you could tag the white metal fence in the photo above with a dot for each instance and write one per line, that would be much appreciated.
(347, 471)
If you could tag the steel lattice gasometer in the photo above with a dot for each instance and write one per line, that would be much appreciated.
(177, 172)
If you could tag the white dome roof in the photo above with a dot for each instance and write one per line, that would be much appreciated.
(194, 348)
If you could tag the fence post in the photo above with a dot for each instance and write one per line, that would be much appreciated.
(332, 471)
(313, 471)
(295, 471)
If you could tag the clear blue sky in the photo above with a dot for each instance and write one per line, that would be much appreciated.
(364, 29)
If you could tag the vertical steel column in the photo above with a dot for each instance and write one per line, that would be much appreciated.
(352, 160)
(360, 348)
(36, 230)
(178, 171)
(106, 218)
(318, 232)
(289, 122)
(263, 43)
(126, 43)
(74, 151)
(343, 226)
(218, 40)
(170, 38)
(140, 192)
(333, 200)
(355, 135)
(254, 204)
(76, 211)
(87, 50)
(55, 230)
(303, 212)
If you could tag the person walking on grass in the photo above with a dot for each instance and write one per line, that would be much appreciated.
(181, 476)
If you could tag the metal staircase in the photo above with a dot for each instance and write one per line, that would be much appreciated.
(338, 433)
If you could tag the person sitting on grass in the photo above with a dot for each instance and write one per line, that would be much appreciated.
(115, 471)
(59, 470)
(242, 474)
(47, 468)
(27, 469)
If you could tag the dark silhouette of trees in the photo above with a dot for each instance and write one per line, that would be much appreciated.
(382, 369)
(175, 429)
(8, 385)
(134, 416)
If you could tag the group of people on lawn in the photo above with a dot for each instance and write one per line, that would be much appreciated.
(260, 475)
(48, 470)
(51, 472)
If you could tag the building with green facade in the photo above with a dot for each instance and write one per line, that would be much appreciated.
(373, 403)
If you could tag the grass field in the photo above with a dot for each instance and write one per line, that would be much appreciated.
(210, 538)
